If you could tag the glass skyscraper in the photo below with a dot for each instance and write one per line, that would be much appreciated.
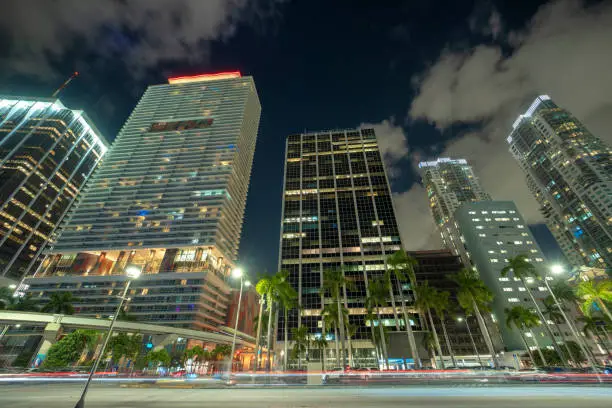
(449, 184)
(337, 213)
(569, 171)
(170, 199)
(47, 153)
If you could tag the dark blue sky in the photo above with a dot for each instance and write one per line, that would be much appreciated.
(317, 64)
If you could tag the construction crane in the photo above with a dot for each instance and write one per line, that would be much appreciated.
(65, 84)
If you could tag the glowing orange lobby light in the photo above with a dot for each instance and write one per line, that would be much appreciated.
(204, 77)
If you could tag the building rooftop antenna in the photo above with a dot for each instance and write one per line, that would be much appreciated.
(65, 84)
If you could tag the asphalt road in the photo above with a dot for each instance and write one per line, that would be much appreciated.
(65, 396)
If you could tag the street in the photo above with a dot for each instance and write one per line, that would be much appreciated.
(65, 395)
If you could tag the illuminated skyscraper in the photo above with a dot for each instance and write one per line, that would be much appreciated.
(338, 213)
(569, 171)
(47, 153)
(170, 198)
(449, 184)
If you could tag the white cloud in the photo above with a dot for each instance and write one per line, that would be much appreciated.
(392, 144)
(563, 52)
(164, 30)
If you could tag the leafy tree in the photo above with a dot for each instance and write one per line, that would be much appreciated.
(124, 345)
(426, 300)
(401, 267)
(524, 319)
(6, 298)
(301, 342)
(60, 303)
(522, 269)
(333, 283)
(473, 297)
(595, 295)
(576, 353)
(221, 351)
(551, 358)
(591, 328)
(68, 350)
(25, 304)
(320, 343)
(375, 299)
(160, 357)
(125, 317)
(441, 304)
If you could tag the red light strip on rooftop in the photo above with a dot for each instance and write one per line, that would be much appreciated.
(204, 77)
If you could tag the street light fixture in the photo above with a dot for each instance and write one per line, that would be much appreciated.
(132, 272)
(237, 273)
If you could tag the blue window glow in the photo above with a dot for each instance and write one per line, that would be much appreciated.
(143, 212)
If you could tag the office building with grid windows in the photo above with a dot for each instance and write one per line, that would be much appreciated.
(170, 199)
(450, 183)
(47, 154)
(337, 213)
(569, 172)
(492, 232)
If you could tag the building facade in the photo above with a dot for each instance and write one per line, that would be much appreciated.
(466, 340)
(47, 154)
(169, 199)
(450, 183)
(493, 232)
(337, 213)
(569, 171)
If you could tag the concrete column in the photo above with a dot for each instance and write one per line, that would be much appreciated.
(50, 335)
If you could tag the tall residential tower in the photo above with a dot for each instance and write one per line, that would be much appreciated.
(569, 171)
(47, 153)
(449, 184)
(170, 199)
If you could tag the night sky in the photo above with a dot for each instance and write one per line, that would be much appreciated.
(434, 78)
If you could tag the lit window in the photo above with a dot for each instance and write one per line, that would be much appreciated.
(480, 235)
(491, 252)
(520, 226)
(472, 212)
(518, 242)
(499, 242)
(494, 260)
(504, 279)
(479, 227)
(484, 212)
(503, 251)
(476, 219)
(522, 289)
(513, 300)
(508, 289)
(541, 288)
(539, 260)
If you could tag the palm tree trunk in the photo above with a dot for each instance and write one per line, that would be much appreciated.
(373, 332)
(269, 341)
(545, 323)
(392, 295)
(411, 339)
(520, 329)
(485, 332)
(286, 345)
(567, 347)
(337, 344)
(436, 339)
(447, 340)
(258, 340)
(535, 340)
(604, 308)
(382, 338)
(467, 324)
(341, 329)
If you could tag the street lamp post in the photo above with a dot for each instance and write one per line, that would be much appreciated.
(471, 338)
(556, 270)
(236, 273)
(132, 272)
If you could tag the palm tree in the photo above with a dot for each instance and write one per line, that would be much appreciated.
(261, 288)
(426, 299)
(376, 298)
(60, 303)
(590, 328)
(320, 343)
(474, 296)
(287, 297)
(259, 321)
(553, 313)
(301, 342)
(333, 281)
(595, 293)
(6, 298)
(401, 266)
(330, 319)
(522, 319)
(522, 269)
(441, 304)
(25, 304)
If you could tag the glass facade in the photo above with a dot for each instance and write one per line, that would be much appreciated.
(569, 171)
(337, 212)
(47, 153)
(170, 199)
(450, 183)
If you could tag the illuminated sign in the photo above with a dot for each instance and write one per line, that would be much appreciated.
(181, 125)
(204, 77)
